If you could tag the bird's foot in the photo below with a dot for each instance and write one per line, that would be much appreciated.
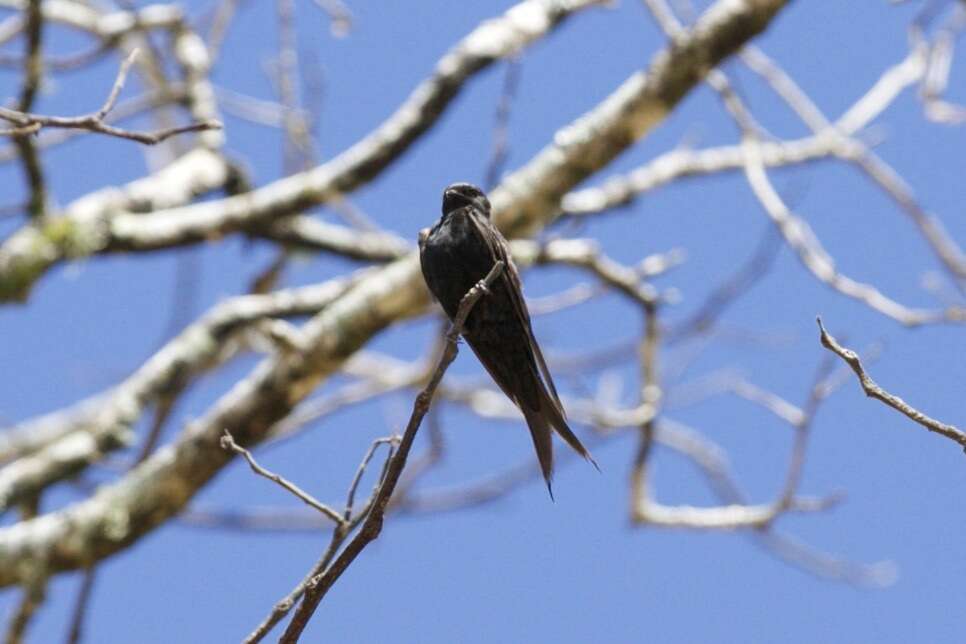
(482, 287)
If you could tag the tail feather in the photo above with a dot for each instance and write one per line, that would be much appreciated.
(542, 443)
(509, 358)
(539, 421)
(554, 413)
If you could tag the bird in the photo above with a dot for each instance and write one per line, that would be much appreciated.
(456, 254)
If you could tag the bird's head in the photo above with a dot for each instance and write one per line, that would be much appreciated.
(458, 195)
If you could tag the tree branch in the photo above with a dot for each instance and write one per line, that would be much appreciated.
(23, 259)
(372, 526)
(229, 443)
(27, 123)
(149, 495)
(873, 390)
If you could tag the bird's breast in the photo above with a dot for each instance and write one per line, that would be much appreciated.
(459, 241)
(455, 257)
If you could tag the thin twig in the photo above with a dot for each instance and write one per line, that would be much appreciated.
(729, 291)
(76, 632)
(351, 496)
(25, 122)
(373, 524)
(873, 390)
(33, 598)
(800, 238)
(712, 462)
(342, 530)
(23, 137)
(227, 442)
(500, 152)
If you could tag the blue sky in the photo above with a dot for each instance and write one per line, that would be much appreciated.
(524, 569)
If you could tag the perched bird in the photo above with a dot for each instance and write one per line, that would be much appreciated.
(455, 255)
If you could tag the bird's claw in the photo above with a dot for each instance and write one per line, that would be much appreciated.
(482, 287)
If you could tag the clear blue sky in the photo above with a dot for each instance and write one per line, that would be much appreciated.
(525, 569)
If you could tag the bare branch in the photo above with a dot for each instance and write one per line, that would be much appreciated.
(308, 232)
(712, 462)
(800, 238)
(83, 436)
(32, 599)
(122, 111)
(339, 14)
(936, 77)
(873, 390)
(637, 106)
(348, 523)
(25, 255)
(253, 519)
(879, 574)
(227, 442)
(34, 589)
(27, 123)
(829, 141)
(683, 163)
(848, 148)
(372, 526)
(32, 77)
(76, 633)
(501, 126)
(729, 291)
(494, 39)
(525, 202)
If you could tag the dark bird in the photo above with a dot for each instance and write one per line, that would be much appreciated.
(455, 255)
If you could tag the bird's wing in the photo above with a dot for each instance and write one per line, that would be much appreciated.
(498, 247)
(545, 410)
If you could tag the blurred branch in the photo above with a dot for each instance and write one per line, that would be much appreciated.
(796, 232)
(585, 254)
(250, 520)
(32, 78)
(501, 126)
(81, 605)
(26, 254)
(850, 149)
(34, 590)
(682, 163)
(79, 438)
(29, 252)
(254, 110)
(123, 110)
(26, 123)
(801, 239)
(64, 63)
(303, 231)
(339, 15)
(936, 77)
(32, 599)
(31, 435)
(830, 140)
(128, 29)
(729, 291)
(553, 251)
(713, 463)
(494, 39)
